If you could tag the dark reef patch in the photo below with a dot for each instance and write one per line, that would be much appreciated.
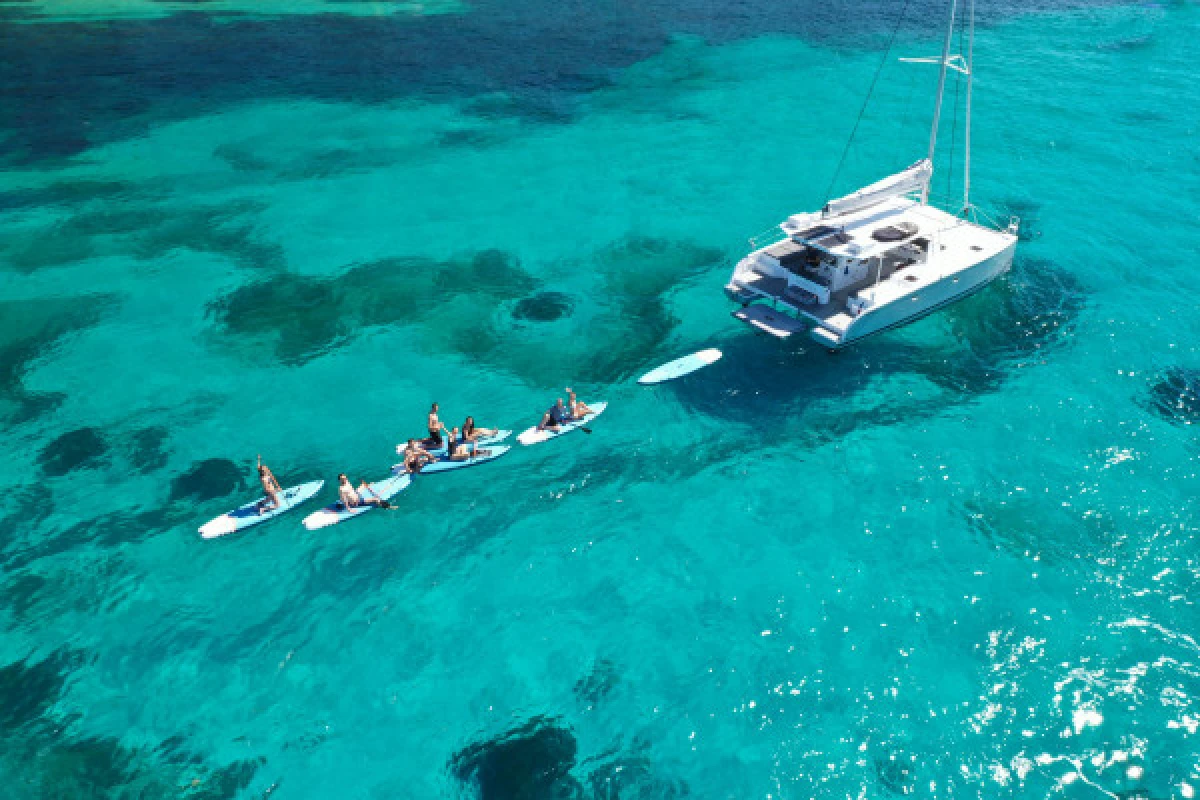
(77, 449)
(601, 680)
(305, 317)
(32, 541)
(70, 85)
(208, 480)
(63, 194)
(532, 762)
(1036, 525)
(895, 773)
(27, 691)
(1128, 44)
(631, 778)
(149, 232)
(543, 307)
(1010, 324)
(1176, 396)
(622, 301)
(474, 138)
(147, 449)
(30, 331)
(19, 592)
(42, 758)
(637, 273)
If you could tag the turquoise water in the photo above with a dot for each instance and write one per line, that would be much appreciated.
(957, 560)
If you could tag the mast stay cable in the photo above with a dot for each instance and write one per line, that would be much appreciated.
(870, 89)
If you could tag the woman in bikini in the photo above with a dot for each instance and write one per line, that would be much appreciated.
(470, 433)
(579, 409)
(270, 486)
(459, 449)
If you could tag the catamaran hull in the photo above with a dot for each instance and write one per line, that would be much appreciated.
(933, 297)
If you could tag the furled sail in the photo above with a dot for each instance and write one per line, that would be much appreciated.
(913, 179)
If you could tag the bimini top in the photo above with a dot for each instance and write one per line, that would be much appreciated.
(827, 228)
(870, 231)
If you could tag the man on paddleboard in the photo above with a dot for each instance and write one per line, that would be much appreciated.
(557, 415)
(435, 428)
(270, 486)
(350, 498)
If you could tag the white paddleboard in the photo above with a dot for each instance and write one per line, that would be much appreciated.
(245, 516)
(534, 436)
(333, 514)
(681, 366)
(444, 464)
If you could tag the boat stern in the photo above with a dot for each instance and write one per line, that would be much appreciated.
(826, 338)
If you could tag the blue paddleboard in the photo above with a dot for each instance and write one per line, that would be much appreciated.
(534, 436)
(248, 515)
(499, 436)
(681, 366)
(444, 464)
(333, 514)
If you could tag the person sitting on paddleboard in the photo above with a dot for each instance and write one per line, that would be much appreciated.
(270, 486)
(416, 457)
(578, 408)
(470, 433)
(435, 428)
(557, 415)
(459, 449)
(352, 499)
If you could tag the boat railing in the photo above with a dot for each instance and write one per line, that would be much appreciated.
(767, 238)
(980, 215)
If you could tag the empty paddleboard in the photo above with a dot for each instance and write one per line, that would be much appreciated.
(681, 366)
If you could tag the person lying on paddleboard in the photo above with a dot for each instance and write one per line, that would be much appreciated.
(578, 408)
(470, 433)
(352, 499)
(435, 428)
(416, 457)
(557, 415)
(271, 487)
(459, 449)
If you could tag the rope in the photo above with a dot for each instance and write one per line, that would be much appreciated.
(870, 89)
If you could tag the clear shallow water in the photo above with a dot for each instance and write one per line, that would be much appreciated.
(957, 560)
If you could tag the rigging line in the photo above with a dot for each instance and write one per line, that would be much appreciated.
(870, 89)
(954, 126)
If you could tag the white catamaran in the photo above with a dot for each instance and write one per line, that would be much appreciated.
(879, 257)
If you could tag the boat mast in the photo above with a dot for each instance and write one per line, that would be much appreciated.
(970, 76)
(937, 107)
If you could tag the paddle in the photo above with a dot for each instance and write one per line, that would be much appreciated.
(382, 503)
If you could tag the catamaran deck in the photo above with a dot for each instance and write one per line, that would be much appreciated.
(944, 242)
